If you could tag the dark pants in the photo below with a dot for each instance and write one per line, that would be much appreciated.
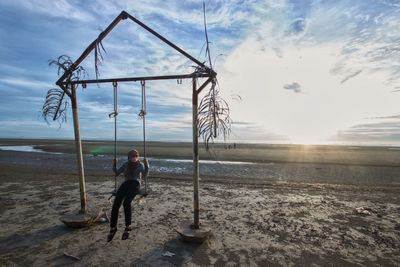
(126, 193)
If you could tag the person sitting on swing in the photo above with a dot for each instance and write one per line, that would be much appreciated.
(133, 170)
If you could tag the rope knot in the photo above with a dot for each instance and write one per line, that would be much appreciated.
(142, 113)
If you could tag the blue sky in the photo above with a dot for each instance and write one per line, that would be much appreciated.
(306, 71)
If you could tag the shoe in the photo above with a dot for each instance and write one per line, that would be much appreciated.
(125, 235)
(111, 234)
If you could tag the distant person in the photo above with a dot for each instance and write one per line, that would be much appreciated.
(133, 171)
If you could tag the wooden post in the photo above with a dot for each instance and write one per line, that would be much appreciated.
(78, 147)
(195, 158)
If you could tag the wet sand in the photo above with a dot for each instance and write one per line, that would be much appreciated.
(268, 223)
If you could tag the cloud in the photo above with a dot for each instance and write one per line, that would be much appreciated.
(24, 83)
(298, 25)
(379, 130)
(352, 75)
(391, 3)
(396, 116)
(60, 8)
(28, 128)
(173, 123)
(9, 68)
(293, 86)
(247, 131)
(321, 60)
(382, 132)
(219, 13)
(371, 44)
(317, 45)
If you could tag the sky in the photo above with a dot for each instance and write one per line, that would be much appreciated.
(310, 71)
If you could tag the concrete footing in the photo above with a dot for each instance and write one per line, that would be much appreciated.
(79, 219)
(190, 234)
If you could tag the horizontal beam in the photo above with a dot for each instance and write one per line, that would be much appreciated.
(144, 78)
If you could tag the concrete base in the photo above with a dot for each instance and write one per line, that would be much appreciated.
(79, 219)
(189, 234)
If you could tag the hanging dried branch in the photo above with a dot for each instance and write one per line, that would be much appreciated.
(213, 112)
(55, 106)
(213, 116)
(98, 55)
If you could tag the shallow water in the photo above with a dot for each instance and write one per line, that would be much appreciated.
(229, 170)
(21, 148)
(25, 149)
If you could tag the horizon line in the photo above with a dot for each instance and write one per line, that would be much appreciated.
(228, 142)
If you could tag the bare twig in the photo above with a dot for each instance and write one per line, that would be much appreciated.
(206, 35)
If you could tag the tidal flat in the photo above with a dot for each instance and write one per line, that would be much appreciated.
(266, 205)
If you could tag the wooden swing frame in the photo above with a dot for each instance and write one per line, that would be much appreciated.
(69, 87)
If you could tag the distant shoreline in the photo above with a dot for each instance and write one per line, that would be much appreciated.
(378, 156)
(252, 143)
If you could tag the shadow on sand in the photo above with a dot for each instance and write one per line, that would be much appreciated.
(18, 241)
(175, 252)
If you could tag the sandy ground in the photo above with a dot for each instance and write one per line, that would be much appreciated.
(253, 222)
(268, 225)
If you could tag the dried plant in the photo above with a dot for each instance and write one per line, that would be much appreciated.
(55, 104)
(98, 55)
(213, 112)
(65, 63)
(213, 116)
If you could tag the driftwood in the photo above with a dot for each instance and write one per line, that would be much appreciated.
(71, 256)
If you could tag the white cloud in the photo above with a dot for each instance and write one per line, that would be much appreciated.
(60, 8)
(326, 106)
(351, 75)
(174, 123)
(296, 87)
(25, 83)
(342, 57)
(28, 128)
(219, 13)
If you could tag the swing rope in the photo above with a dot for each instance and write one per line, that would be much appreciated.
(142, 114)
(114, 115)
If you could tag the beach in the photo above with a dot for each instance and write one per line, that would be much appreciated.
(281, 206)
